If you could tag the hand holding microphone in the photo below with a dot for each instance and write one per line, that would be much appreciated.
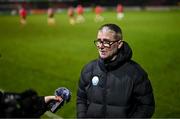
(62, 95)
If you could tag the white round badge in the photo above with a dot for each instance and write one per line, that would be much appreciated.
(95, 80)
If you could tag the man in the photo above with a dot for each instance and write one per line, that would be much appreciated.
(71, 15)
(119, 10)
(22, 14)
(114, 86)
(51, 19)
(80, 11)
(98, 11)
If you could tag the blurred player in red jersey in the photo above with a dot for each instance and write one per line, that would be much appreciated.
(71, 15)
(51, 20)
(98, 12)
(119, 10)
(80, 11)
(23, 15)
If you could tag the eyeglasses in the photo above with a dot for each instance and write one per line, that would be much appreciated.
(106, 42)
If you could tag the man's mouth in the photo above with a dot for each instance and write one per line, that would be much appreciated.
(103, 52)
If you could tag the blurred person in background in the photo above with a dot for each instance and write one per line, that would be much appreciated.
(29, 105)
(119, 10)
(24, 105)
(23, 15)
(80, 11)
(98, 12)
(114, 86)
(71, 15)
(51, 19)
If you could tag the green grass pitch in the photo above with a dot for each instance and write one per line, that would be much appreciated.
(44, 58)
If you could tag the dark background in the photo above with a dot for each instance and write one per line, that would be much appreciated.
(6, 5)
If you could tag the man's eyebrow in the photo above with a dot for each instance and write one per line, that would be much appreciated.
(104, 39)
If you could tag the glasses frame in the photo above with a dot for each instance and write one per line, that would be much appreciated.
(110, 43)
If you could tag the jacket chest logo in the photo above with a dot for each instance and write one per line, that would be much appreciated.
(95, 80)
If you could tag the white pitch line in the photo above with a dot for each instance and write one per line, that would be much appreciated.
(52, 116)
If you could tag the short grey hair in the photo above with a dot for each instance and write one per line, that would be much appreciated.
(112, 28)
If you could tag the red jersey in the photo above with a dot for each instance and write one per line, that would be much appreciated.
(80, 10)
(22, 12)
(119, 8)
(98, 10)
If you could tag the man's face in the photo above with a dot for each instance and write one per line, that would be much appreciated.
(105, 52)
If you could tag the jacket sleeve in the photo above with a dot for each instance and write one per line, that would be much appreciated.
(41, 106)
(81, 98)
(143, 96)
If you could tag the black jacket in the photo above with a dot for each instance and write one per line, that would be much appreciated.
(115, 89)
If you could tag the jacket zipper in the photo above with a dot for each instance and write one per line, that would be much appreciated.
(105, 95)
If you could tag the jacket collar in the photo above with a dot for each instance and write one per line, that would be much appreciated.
(124, 54)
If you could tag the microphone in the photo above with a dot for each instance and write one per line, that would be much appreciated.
(65, 94)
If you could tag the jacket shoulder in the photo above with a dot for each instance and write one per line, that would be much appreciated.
(89, 66)
(135, 67)
(136, 71)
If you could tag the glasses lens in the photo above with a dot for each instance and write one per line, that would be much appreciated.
(104, 43)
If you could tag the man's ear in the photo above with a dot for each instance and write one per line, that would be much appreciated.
(120, 44)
